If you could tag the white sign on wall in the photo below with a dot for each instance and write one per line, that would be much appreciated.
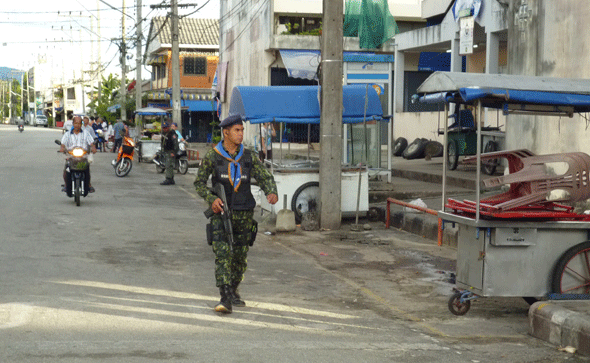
(466, 36)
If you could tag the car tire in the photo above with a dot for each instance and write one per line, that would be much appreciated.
(433, 149)
(399, 146)
(415, 150)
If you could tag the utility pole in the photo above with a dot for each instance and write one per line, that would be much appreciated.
(123, 92)
(138, 65)
(175, 66)
(331, 116)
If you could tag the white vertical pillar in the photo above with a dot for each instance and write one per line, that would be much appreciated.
(398, 82)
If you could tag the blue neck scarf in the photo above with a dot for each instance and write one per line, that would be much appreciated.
(234, 169)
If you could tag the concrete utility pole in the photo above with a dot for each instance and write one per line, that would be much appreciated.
(175, 66)
(138, 63)
(123, 92)
(331, 116)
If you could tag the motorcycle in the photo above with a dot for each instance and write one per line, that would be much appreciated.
(124, 160)
(180, 161)
(101, 144)
(21, 128)
(77, 164)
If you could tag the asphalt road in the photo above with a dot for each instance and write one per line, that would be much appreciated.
(128, 277)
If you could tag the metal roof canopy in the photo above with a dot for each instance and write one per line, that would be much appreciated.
(511, 93)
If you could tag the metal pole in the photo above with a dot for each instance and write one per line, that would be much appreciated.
(176, 116)
(123, 92)
(445, 157)
(478, 120)
(138, 82)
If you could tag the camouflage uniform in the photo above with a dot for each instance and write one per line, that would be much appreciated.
(169, 144)
(230, 268)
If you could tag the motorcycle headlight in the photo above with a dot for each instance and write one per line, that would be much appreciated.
(77, 152)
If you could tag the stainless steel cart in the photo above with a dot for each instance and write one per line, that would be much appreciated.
(513, 256)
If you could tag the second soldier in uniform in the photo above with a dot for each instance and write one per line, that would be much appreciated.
(169, 150)
(232, 165)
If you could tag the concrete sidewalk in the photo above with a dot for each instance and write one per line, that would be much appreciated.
(563, 323)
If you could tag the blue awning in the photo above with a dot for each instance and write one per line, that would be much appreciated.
(300, 104)
(198, 105)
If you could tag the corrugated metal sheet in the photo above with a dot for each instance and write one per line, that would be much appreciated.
(192, 31)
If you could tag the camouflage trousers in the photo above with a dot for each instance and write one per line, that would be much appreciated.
(169, 165)
(230, 266)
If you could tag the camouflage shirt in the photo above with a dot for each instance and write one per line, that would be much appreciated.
(265, 180)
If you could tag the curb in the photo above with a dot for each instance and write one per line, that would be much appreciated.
(424, 225)
(558, 325)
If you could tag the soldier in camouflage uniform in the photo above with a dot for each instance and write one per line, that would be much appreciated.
(169, 145)
(233, 165)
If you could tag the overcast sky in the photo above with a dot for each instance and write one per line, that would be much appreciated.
(65, 31)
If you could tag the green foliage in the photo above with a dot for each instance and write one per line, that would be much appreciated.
(107, 98)
(294, 30)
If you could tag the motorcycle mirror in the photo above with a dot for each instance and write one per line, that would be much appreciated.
(58, 142)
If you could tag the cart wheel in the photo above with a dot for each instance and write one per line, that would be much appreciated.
(489, 166)
(452, 155)
(456, 306)
(305, 199)
(572, 271)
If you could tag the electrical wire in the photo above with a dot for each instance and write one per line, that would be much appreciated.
(255, 16)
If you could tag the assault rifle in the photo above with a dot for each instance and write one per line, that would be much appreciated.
(219, 190)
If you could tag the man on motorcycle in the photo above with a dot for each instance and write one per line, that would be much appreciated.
(78, 137)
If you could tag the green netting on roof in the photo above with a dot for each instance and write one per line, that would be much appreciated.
(371, 21)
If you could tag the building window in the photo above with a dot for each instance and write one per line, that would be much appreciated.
(71, 94)
(195, 66)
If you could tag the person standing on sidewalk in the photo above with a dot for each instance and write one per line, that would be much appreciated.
(267, 132)
(232, 165)
(169, 150)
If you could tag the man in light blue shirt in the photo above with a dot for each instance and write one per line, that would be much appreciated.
(175, 128)
(119, 131)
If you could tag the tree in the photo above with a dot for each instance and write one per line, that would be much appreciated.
(107, 98)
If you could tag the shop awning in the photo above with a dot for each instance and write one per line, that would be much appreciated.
(150, 111)
(198, 106)
(158, 59)
(300, 104)
(304, 63)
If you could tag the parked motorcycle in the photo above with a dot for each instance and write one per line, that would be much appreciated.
(21, 128)
(124, 160)
(77, 185)
(180, 162)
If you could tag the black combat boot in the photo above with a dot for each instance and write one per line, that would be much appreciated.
(236, 300)
(168, 182)
(224, 305)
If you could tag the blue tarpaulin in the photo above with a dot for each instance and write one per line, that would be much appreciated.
(300, 104)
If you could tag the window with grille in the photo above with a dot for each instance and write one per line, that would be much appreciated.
(195, 66)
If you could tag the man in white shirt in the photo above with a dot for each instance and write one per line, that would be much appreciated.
(68, 124)
(78, 138)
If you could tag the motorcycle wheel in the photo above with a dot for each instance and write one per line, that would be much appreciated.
(123, 167)
(182, 166)
(77, 192)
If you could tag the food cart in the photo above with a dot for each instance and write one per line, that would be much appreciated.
(520, 243)
(147, 149)
(299, 181)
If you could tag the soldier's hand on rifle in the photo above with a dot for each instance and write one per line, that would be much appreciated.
(217, 206)
(272, 198)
